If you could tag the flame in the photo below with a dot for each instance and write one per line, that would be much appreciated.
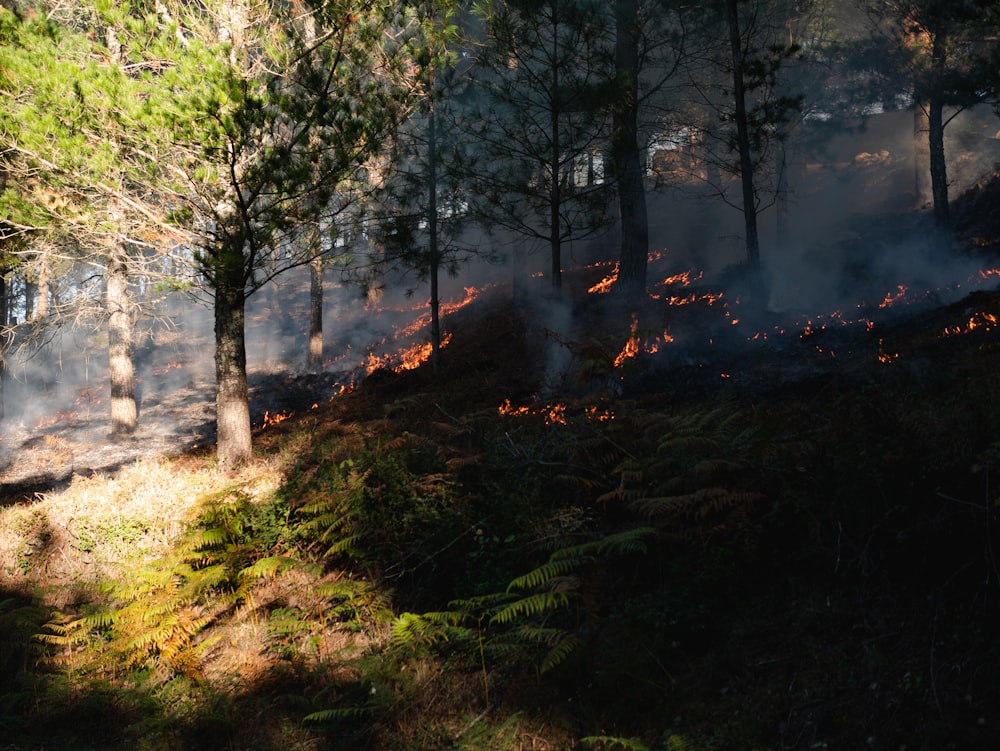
(884, 356)
(894, 297)
(554, 414)
(406, 358)
(592, 414)
(604, 286)
(631, 348)
(48, 422)
(167, 368)
(274, 419)
(983, 320)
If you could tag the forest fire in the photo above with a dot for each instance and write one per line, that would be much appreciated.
(886, 357)
(894, 297)
(636, 344)
(163, 370)
(408, 358)
(604, 286)
(274, 419)
(979, 320)
(555, 414)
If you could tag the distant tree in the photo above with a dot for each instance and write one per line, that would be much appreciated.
(648, 50)
(542, 75)
(735, 75)
(935, 53)
(424, 205)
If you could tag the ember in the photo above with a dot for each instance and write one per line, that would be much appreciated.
(167, 368)
(884, 356)
(554, 414)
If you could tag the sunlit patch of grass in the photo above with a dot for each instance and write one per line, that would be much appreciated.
(98, 526)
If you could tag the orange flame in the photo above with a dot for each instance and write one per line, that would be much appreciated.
(884, 356)
(631, 348)
(978, 320)
(893, 297)
(554, 414)
(274, 419)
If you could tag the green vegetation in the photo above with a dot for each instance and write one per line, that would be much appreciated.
(410, 567)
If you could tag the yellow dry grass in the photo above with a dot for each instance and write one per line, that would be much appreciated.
(98, 527)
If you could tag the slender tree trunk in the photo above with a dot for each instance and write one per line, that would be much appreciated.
(935, 135)
(232, 400)
(921, 156)
(625, 146)
(555, 190)
(124, 411)
(432, 228)
(315, 357)
(29, 299)
(743, 136)
(3, 336)
(43, 288)
(781, 200)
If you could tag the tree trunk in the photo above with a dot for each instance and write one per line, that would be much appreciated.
(782, 212)
(625, 146)
(555, 189)
(432, 229)
(124, 410)
(3, 336)
(921, 156)
(743, 136)
(232, 401)
(43, 289)
(29, 299)
(935, 134)
(315, 358)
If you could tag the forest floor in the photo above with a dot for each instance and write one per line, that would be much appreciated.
(742, 529)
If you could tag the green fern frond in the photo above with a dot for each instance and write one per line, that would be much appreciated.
(559, 653)
(613, 743)
(680, 443)
(339, 715)
(344, 546)
(531, 605)
(209, 539)
(412, 629)
(270, 566)
(541, 575)
(717, 466)
(343, 589)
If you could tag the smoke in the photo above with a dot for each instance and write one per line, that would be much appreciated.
(854, 232)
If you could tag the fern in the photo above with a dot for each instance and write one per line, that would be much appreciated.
(326, 716)
(613, 743)
(532, 605)
(429, 629)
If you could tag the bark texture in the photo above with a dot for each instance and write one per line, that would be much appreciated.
(632, 211)
(935, 133)
(315, 358)
(124, 410)
(232, 404)
(743, 135)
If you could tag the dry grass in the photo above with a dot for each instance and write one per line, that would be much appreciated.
(100, 526)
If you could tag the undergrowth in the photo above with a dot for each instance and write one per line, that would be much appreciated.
(598, 572)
